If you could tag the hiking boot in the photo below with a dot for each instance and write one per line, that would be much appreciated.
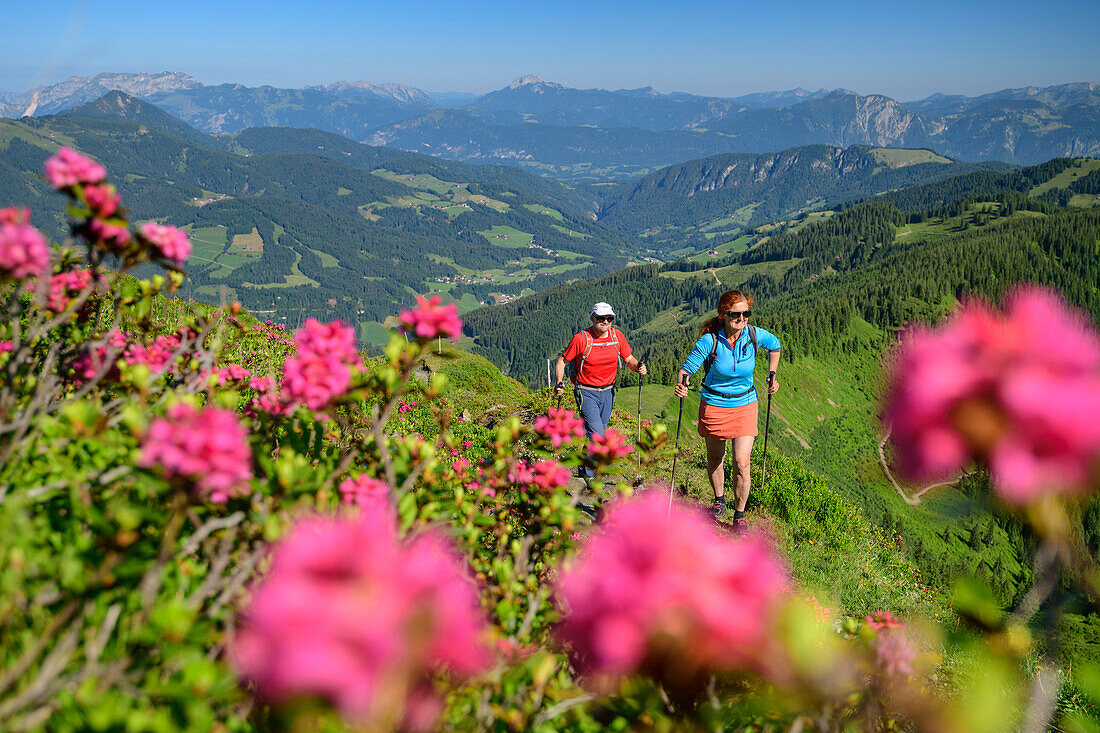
(718, 509)
(740, 526)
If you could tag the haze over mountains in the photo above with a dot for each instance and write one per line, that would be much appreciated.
(595, 134)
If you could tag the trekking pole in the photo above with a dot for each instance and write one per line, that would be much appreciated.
(676, 451)
(767, 420)
(639, 438)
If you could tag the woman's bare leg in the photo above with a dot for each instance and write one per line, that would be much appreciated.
(716, 459)
(742, 449)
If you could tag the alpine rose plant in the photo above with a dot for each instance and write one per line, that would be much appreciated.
(352, 614)
(67, 168)
(1018, 390)
(430, 319)
(208, 448)
(668, 596)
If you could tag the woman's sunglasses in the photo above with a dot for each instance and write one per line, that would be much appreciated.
(735, 315)
(604, 319)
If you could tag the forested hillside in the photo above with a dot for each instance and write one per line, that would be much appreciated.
(755, 189)
(299, 222)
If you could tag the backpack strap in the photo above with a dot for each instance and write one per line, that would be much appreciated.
(578, 363)
(588, 342)
(709, 361)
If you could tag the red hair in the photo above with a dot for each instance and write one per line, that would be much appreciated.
(729, 299)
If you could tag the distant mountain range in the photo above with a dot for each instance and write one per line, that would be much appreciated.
(600, 135)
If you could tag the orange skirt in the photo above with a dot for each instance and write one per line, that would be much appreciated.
(729, 422)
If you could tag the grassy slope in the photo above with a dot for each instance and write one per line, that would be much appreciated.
(833, 551)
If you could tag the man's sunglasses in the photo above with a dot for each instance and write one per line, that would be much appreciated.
(735, 315)
(604, 319)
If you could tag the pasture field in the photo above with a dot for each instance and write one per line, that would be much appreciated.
(540, 209)
(206, 242)
(1081, 168)
(571, 233)
(327, 260)
(503, 236)
(899, 158)
(245, 244)
(446, 195)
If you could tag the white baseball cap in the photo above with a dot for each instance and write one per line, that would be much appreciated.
(602, 309)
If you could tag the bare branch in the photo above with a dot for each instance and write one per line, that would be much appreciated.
(211, 526)
(555, 710)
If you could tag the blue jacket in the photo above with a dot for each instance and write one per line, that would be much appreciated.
(733, 365)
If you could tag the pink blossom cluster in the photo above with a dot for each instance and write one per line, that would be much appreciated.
(6, 347)
(24, 252)
(365, 491)
(880, 620)
(893, 650)
(67, 168)
(207, 447)
(157, 355)
(560, 426)
(352, 614)
(171, 243)
(111, 236)
(64, 286)
(94, 361)
(228, 373)
(102, 199)
(609, 446)
(320, 371)
(1018, 390)
(549, 475)
(268, 400)
(668, 596)
(430, 319)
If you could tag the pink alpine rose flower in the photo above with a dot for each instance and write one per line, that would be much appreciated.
(171, 243)
(609, 446)
(327, 339)
(1018, 390)
(64, 286)
(549, 475)
(68, 168)
(315, 381)
(208, 448)
(560, 425)
(652, 594)
(320, 371)
(365, 491)
(15, 215)
(24, 252)
(430, 319)
(352, 614)
(102, 200)
(112, 236)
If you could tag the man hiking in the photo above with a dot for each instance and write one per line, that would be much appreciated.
(728, 405)
(595, 353)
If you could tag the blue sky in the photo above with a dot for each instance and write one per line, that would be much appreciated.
(905, 50)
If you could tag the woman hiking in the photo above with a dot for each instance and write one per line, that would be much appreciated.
(595, 353)
(728, 405)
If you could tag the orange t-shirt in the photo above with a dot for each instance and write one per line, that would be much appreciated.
(602, 363)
